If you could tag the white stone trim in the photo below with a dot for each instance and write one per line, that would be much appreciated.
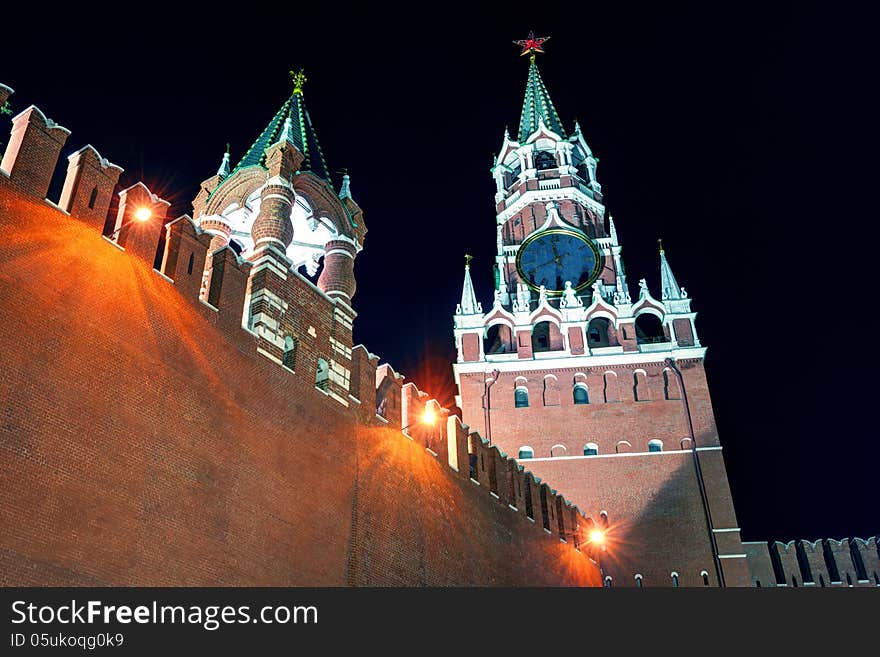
(624, 454)
(567, 361)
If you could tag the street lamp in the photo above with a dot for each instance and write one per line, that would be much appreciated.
(141, 215)
(428, 417)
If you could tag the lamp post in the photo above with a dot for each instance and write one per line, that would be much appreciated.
(141, 215)
(670, 362)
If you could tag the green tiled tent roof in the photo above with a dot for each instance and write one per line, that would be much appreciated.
(537, 104)
(304, 138)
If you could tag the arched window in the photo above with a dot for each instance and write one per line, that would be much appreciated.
(876, 578)
(848, 580)
(611, 387)
(521, 398)
(608, 581)
(541, 337)
(640, 386)
(289, 357)
(580, 394)
(189, 266)
(322, 374)
(558, 450)
(638, 581)
(757, 583)
(655, 445)
(545, 160)
(705, 577)
(603, 519)
(794, 581)
(93, 197)
(674, 580)
(551, 391)
(649, 329)
(821, 581)
(236, 246)
(597, 332)
(591, 449)
(670, 385)
(526, 452)
(498, 339)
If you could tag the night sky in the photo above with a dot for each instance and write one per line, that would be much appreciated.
(744, 136)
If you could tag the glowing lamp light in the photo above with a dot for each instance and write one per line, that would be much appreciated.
(429, 417)
(143, 214)
(597, 536)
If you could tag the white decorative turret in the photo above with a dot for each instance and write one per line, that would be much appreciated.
(669, 287)
(469, 304)
(612, 230)
(345, 189)
(223, 171)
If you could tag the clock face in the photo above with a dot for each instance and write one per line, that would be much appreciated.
(552, 257)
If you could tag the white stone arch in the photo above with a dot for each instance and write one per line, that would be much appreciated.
(649, 310)
(656, 443)
(562, 448)
(525, 448)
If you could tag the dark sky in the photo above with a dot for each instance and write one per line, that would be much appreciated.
(744, 136)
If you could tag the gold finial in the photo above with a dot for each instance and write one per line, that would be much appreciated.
(660, 244)
(467, 260)
(227, 147)
(299, 79)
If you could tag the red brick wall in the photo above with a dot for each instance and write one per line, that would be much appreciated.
(653, 499)
(145, 442)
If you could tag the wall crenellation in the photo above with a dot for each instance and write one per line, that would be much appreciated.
(824, 562)
(300, 328)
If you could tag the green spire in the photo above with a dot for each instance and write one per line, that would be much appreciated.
(302, 134)
(537, 106)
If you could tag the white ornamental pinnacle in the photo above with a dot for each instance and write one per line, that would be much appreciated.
(523, 298)
(345, 190)
(469, 304)
(223, 171)
(570, 298)
(643, 289)
(597, 291)
(542, 296)
(612, 230)
(668, 285)
(497, 302)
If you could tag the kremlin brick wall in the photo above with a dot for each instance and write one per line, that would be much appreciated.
(149, 439)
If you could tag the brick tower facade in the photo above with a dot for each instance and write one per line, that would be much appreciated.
(583, 383)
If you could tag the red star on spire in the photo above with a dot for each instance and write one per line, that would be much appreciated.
(531, 44)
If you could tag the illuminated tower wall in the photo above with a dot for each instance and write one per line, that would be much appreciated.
(578, 383)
